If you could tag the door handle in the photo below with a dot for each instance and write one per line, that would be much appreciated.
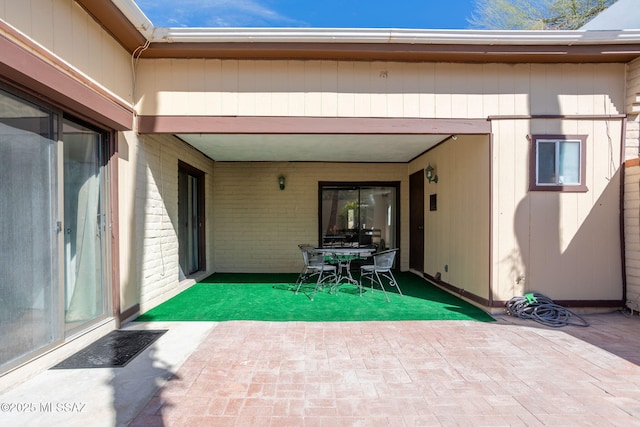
(420, 227)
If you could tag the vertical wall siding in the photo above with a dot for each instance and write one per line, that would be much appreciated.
(457, 233)
(375, 89)
(149, 215)
(66, 30)
(257, 226)
(564, 245)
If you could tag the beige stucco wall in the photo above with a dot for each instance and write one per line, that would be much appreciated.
(148, 176)
(258, 227)
(457, 233)
(63, 28)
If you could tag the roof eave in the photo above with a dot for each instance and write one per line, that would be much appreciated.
(128, 24)
(392, 36)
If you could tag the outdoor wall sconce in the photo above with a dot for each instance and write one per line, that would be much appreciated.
(281, 182)
(430, 175)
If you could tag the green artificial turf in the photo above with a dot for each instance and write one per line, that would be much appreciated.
(271, 297)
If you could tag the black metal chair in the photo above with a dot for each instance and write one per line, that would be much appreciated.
(379, 270)
(315, 265)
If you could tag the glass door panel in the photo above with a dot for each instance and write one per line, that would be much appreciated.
(29, 289)
(378, 217)
(190, 220)
(340, 216)
(83, 225)
(358, 216)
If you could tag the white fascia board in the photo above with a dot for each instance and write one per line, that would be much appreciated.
(134, 14)
(391, 36)
(368, 35)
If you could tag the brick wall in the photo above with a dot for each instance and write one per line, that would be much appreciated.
(632, 186)
(632, 232)
(251, 225)
(154, 238)
(258, 226)
(632, 140)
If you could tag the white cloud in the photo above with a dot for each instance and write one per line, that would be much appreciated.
(214, 13)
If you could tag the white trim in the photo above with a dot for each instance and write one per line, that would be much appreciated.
(135, 15)
(392, 36)
(368, 35)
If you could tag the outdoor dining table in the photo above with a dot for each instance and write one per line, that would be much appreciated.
(343, 257)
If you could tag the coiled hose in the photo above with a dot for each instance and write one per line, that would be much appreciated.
(543, 310)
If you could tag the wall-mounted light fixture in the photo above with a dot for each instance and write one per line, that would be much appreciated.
(281, 181)
(431, 176)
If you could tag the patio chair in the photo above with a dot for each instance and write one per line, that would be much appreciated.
(381, 268)
(314, 265)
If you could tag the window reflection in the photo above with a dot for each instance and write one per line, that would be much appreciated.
(358, 216)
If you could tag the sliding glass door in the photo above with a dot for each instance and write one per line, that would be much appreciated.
(191, 251)
(29, 258)
(359, 215)
(52, 226)
(84, 225)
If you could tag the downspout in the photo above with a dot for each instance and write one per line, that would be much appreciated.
(491, 283)
(623, 252)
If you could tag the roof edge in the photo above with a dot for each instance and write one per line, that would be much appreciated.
(391, 36)
(136, 16)
(126, 22)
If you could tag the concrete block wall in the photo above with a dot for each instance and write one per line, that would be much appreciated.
(632, 232)
(633, 87)
(258, 226)
(631, 206)
(154, 239)
(632, 107)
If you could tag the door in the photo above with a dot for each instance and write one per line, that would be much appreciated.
(84, 282)
(52, 256)
(359, 215)
(29, 229)
(416, 221)
(191, 253)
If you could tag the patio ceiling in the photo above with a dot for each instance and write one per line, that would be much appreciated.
(313, 148)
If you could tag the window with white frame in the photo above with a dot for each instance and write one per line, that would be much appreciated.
(558, 163)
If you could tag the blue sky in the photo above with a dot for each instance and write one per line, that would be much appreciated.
(425, 14)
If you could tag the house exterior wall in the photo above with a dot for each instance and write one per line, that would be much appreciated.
(632, 187)
(258, 227)
(149, 265)
(53, 50)
(457, 234)
(208, 87)
(544, 241)
(632, 232)
(63, 28)
(563, 245)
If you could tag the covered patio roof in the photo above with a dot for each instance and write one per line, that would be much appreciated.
(321, 139)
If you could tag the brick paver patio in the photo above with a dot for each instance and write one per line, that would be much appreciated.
(417, 373)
